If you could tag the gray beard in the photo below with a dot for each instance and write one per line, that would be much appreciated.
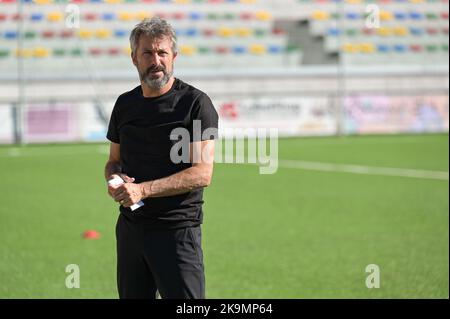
(156, 83)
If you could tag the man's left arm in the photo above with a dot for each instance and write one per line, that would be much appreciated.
(196, 176)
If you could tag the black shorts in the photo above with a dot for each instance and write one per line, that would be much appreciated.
(167, 261)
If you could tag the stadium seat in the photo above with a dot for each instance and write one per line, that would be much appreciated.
(48, 34)
(91, 16)
(10, 35)
(383, 48)
(384, 31)
(400, 48)
(416, 15)
(386, 15)
(120, 33)
(334, 32)
(367, 48)
(257, 49)
(352, 16)
(417, 31)
(103, 33)
(85, 34)
(187, 50)
(40, 52)
(30, 35)
(66, 34)
(243, 32)
(55, 16)
(401, 16)
(320, 15)
(109, 16)
(239, 49)
(400, 31)
(416, 48)
(36, 17)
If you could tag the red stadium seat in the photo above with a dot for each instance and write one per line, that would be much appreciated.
(95, 51)
(416, 48)
(66, 34)
(48, 34)
(246, 16)
(91, 16)
(222, 50)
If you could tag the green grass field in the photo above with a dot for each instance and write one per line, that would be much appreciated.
(296, 234)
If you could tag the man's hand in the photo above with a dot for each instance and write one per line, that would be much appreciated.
(128, 194)
(125, 178)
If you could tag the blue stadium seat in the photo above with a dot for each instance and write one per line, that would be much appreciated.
(400, 15)
(274, 49)
(400, 48)
(10, 35)
(416, 31)
(109, 16)
(119, 33)
(37, 16)
(416, 15)
(383, 48)
(191, 32)
(239, 49)
(352, 16)
(195, 16)
(333, 32)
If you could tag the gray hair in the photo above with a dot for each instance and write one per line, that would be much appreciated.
(155, 28)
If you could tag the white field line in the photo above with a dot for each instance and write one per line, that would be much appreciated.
(353, 169)
(282, 163)
(368, 170)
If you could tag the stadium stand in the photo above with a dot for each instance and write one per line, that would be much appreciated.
(226, 33)
(75, 55)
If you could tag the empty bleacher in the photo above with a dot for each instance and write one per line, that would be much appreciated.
(222, 34)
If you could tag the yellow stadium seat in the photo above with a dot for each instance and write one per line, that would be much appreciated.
(126, 16)
(417, 1)
(353, 1)
(24, 53)
(320, 15)
(183, 1)
(263, 15)
(187, 50)
(225, 32)
(40, 52)
(367, 47)
(386, 15)
(257, 49)
(248, 1)
(400, 31)
(350, 48)
(384, 31)
(55, 16)
(85, 33)
(103, 33)
(112, 1)
(141, 15)
(243, 32)
(42, 1)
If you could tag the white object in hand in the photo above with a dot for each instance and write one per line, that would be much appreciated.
(116, 182)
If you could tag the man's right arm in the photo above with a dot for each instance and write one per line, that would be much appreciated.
(113, 168)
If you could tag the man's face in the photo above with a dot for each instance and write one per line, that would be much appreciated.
(154, 60)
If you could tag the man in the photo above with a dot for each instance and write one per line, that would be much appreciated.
(159, 244)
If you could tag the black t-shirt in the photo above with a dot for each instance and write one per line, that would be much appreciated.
(142, 126)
